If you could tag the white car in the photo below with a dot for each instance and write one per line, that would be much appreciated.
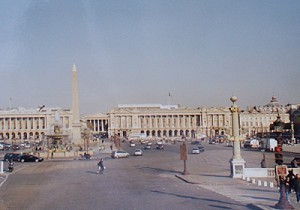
(132, 144)
(138, 152)
(196, 151)
(119, 154)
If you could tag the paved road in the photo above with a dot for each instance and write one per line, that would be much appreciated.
(146, 182)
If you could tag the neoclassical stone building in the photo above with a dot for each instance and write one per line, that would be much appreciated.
(98, 123)
(33, 124)
(169, 121)
(172, 121)
(257, 119)
(155, 120)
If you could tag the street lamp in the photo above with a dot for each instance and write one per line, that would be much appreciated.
(283, 202)
(237, 162)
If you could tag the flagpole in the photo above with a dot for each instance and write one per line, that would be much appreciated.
(169, 99)
(10, 103)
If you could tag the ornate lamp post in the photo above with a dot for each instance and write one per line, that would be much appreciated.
(237, 162)
(283, 202)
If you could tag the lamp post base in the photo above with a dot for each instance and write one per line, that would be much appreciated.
(237, 168)
(283, 202)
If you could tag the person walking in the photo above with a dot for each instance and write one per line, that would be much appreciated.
(297, 187)
(287, 188)
(100, 166)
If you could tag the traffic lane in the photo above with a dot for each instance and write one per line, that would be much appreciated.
(126, 184)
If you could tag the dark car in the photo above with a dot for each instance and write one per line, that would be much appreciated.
(12, 156)
(85, 156)
(295, 162)
(159, 146)
(30, 158)
(201, 148)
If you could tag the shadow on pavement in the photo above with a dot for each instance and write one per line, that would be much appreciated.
(160, 170)
(203, 199)
(92, 172)
(214, 175)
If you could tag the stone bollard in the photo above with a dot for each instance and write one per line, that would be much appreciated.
(259, 182)
(248, 179)
(265, 184)
(271, 184)
(253, 181)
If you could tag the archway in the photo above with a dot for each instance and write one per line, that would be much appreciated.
(170, 133)
(176, 133)
(159, 133)
(153, 133)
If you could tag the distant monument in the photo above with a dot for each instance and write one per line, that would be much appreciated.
(76, 137)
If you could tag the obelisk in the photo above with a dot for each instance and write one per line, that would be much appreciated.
(75, 109)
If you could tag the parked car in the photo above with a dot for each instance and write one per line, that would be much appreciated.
(4, 146)
(159, 146)
(195, 151)
(201, 148)
(147, 147)
(119, 154)
(12, 156)
(85, 156)
(30, 158)
(138, 152)
(132, 144)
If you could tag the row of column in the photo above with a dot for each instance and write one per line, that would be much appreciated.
(98, 125)
(23, 123)
(171, 121)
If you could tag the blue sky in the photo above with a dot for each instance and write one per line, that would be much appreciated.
(135, 51)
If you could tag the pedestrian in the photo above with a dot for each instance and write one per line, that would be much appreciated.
(100, 166)
(294, 163)
(297, 187)
(111, 147)
(290, 177)
(287, 188)
(263, 163)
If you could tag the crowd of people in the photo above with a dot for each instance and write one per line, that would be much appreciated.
(292, 184)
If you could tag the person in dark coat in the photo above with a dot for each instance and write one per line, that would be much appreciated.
(297, 187)
(291, 177)
(101, 166)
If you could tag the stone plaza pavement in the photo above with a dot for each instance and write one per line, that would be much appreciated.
(246, 192)
(252, 195)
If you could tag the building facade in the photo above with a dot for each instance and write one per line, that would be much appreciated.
(257, 119)
(97, 123)
(168, 121)
(154, 120)
(33, 124)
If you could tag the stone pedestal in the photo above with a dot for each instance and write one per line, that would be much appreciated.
(237, 168)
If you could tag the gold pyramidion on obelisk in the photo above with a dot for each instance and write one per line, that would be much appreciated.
(75, 109)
